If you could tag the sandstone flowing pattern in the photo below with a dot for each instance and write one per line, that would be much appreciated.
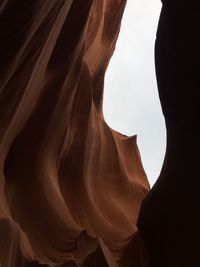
(71, 187)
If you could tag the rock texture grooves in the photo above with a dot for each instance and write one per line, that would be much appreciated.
(169, 219)
(70, 187)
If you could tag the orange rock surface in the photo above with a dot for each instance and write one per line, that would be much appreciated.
(70, 186)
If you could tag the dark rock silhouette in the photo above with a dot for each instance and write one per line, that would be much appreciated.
(169, 219)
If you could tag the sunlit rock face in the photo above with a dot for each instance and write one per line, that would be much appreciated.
(71, 187)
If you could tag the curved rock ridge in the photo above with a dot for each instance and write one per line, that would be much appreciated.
(70, 186)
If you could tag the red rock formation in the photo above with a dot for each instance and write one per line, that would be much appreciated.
(70, 186)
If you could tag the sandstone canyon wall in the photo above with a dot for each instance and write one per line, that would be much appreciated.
(169, 218)
(70, 186)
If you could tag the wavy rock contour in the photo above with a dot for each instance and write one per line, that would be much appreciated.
(71, 187)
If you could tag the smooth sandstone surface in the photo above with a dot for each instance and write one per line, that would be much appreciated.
(70, 186)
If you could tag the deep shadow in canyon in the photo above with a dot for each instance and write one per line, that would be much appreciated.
(169, 219)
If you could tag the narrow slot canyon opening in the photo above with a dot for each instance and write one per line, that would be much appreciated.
(131, 101)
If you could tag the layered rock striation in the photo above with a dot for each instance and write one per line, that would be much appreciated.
(70, 186)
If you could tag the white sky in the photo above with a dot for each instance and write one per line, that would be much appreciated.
(131, 103)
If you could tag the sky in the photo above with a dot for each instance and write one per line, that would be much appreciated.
(131, 102)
